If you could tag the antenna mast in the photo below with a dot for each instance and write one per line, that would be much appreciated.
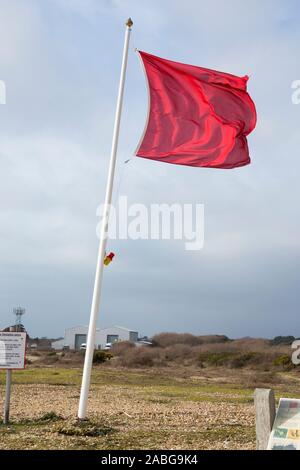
(19, 312)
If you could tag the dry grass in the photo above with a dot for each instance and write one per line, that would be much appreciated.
(166, 408)
(253, 353)
(186, 392)
(169, 339)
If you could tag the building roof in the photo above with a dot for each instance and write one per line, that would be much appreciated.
(102, 329)
(117, 326)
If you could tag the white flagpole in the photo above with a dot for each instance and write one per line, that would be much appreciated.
(88, 361)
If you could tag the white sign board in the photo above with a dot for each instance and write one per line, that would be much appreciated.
(12, 350)
(285, 434)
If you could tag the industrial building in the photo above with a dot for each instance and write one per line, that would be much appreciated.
(76, 336)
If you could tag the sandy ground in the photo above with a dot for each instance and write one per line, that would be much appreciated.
(137, 410)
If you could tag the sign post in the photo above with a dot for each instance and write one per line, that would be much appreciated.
(7, 397)
(12, 356)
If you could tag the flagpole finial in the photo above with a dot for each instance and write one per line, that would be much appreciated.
(129, 22)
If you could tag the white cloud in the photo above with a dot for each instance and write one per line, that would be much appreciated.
(20, 26)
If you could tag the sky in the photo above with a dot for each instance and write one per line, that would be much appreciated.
(60, 60)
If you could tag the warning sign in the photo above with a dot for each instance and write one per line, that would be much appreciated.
(12, 350)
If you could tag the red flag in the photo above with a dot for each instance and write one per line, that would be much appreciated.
(197, 116)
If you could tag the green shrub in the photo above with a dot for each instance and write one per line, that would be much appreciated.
(283, 361)
(229, 359)
(165, 340)
(215, 359)
(243, 360)
(101, 356)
